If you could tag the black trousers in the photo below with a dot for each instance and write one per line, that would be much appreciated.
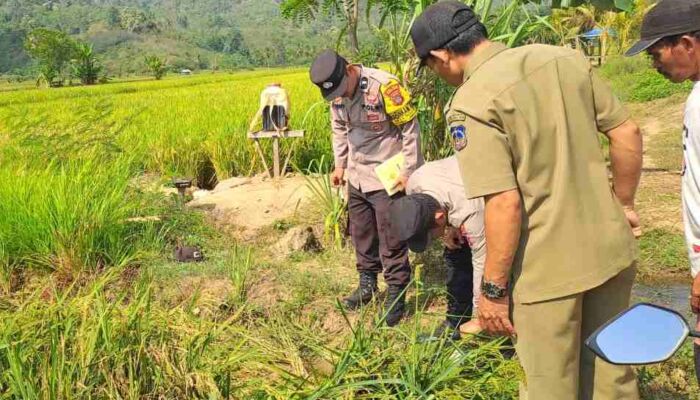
(376, 248)
(460, 288)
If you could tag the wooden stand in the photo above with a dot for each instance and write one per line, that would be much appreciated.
(277, 172)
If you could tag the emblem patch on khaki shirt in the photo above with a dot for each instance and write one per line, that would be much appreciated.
(459, 136)
(397, 102)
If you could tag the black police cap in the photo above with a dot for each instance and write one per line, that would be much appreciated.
(412, 217)
(667, 18)
(439, 24)
(328, 72)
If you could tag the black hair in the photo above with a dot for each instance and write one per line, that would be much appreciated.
(468, 40)
(675, 39)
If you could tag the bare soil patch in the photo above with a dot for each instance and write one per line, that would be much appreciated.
(256, 203)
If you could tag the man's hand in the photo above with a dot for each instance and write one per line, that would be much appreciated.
(401, 183)
(695, 295)
(633, 220)
(494, 316)
(337, 176)
(452, 238)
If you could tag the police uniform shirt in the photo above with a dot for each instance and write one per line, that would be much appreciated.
(377, 123)
(528, 118)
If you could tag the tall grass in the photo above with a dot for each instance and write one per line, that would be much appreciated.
(71, 216)
(634, 79)
(107, 340)
(333, 205)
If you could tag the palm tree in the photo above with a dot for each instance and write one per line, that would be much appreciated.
(86, 67)
(157, 66)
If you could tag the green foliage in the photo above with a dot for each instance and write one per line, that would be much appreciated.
(132, 19)
(116, 338)
(157, 66)
(86, 67)
(663, 250)
(52, 50)
(633, 79)
(604, 4)
(333, 206)
(306, 10)
(226, 35)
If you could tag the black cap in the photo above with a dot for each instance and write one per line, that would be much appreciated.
(667, 18)
(439, 24)
(412, 217)
(329, 73)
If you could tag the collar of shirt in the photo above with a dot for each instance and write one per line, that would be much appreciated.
(481, 57)
(359, 94)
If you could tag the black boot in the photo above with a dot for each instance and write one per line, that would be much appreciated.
(457, 314)
(364, 293)
(395, 304)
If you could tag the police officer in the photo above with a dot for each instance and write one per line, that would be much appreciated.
(372, 119)
(437, 206)
(525, 124)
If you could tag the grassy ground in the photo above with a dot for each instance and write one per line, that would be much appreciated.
(663, 247)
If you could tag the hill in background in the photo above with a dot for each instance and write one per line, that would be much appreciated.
(194, 34)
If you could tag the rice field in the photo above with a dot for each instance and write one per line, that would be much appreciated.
(93, 307)
(177, 126)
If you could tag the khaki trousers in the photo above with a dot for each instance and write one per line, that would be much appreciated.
(551, 349)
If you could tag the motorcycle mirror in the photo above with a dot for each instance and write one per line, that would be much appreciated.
(644, 334)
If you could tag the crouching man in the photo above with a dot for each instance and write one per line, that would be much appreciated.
(436, 206)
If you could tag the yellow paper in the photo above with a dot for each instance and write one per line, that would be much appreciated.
(389, 171)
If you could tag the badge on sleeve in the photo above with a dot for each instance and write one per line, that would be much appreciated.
(397, 103)
(459, 136)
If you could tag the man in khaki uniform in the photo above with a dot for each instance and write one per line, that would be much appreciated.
(373, 119)
(525, 123)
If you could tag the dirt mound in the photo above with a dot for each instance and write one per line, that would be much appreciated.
(255, 203)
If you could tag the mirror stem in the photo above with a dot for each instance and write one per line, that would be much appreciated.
(694, 333)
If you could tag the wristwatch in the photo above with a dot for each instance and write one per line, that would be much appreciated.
(492, 290)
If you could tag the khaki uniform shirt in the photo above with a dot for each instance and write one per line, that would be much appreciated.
(528, 118)
(377, 123)
(439, 180)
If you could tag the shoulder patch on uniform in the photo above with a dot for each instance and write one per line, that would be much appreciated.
(456, 117)
(397, 103)
(459, 136)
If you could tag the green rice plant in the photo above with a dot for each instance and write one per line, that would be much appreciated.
(333, 206)
(91, 342)
(239, 267)
(174, 126)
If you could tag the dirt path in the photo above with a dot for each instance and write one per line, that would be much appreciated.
(658, 200)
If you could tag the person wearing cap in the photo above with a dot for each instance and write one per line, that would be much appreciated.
(671, 36)
(437, 206)
(373, 119)
(560, 241)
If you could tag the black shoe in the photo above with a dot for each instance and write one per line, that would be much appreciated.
(394, 305)
(458, 312)
(364, 293)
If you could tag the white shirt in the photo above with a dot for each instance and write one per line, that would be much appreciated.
(442, 181)
(691, 178)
